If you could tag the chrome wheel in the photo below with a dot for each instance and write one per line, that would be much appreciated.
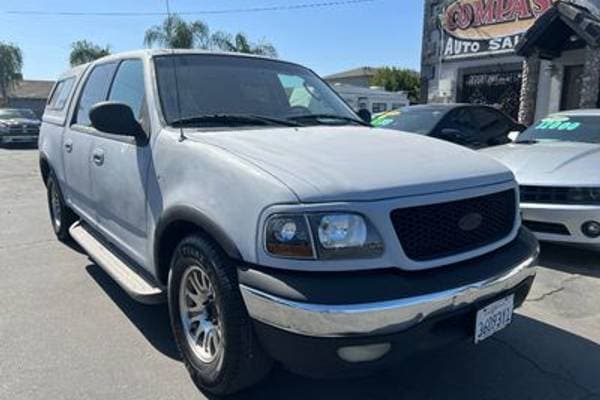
(199, 315)
(55, 207)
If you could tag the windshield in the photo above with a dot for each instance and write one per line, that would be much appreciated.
(421, 120)
(564, 128)
(215, 85)
(17, 113)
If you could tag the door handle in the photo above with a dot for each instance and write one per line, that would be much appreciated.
(98, 157)
(69, 146)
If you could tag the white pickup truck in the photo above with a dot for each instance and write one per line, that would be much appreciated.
(277, 224)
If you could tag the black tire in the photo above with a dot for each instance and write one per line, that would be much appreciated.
(61, 216)
(242, 362)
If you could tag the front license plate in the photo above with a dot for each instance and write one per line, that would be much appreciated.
(494, 318)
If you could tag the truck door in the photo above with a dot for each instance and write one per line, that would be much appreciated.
(78, 141)
(119, 168)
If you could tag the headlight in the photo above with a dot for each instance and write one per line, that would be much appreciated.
(331, 235)
(289, 236)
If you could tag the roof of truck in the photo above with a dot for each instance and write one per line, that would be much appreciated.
(148, 53)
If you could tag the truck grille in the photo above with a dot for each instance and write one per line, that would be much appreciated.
(442, 230)
(560, 195)
(24, 130)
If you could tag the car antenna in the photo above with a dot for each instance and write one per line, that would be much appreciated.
(182, 136)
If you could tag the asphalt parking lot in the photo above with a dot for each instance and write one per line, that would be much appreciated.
(68, 332)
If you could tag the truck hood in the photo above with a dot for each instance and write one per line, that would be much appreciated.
(326, 164)
(551, 163)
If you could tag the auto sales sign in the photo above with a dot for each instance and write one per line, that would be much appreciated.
(479, 27)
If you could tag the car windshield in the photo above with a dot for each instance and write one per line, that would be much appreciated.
(17, 113)
(217, 90)
(416, 120)
(563, 128)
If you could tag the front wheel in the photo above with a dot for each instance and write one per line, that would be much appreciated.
(209, 320)
(61, 215)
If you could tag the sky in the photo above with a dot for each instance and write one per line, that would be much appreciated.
(328, 39)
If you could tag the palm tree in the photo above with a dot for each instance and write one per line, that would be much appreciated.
(11, 63)
(176, 33)
(241, 44)
(83, 51)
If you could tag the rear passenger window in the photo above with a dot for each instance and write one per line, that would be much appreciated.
(94, 91)
(61, 94)
(128, 86)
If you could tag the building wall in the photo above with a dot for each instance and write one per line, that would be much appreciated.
(358, 97)
(550, 84)
(458, 40)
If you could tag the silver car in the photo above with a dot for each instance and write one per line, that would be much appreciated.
(556, 164)
(275, 223)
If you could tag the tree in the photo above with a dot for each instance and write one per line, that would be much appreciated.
(83, 51)
(241, 44)
(395, 79)
(176, 33)
(11, 64)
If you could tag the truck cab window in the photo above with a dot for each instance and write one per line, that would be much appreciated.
(128, 86)
(94, 91)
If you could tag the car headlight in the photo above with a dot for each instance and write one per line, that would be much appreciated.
(325, 236)
(289, 236)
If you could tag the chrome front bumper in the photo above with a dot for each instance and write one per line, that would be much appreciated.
(572, 217)
(377, 318)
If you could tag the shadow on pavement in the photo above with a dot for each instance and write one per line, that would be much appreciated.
(571, 259)
(151, 320)
(530, 360)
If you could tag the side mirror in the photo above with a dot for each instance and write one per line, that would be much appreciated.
(116, 118)
(513, 135)
(365, 115)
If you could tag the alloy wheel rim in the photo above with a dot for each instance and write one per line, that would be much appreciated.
(55, 207)
(199, 315)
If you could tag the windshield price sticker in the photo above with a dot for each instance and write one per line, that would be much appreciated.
(558, 124)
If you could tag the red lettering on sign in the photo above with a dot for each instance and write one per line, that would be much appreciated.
(466, 14)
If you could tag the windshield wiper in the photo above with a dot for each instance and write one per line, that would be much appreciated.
(231, 119)
(319, 117)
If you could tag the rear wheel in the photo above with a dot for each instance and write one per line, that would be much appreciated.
(61, 215)
(209, 320)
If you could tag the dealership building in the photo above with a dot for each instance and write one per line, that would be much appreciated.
(526, 57)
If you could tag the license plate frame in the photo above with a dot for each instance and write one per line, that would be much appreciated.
(493, 318)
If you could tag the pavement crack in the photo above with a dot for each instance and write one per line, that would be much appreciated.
(588, 393)
(552, 292)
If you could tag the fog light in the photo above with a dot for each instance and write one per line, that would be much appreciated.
(371, 352)
(591, 229)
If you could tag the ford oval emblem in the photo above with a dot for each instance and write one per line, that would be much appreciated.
(470, 222)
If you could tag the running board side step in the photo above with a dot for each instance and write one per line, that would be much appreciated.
(133, 283)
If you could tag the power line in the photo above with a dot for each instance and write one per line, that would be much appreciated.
(191, 13)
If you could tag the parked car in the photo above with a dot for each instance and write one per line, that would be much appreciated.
(474, 126)
(277, 228)
(18, 125)
(556, 164)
